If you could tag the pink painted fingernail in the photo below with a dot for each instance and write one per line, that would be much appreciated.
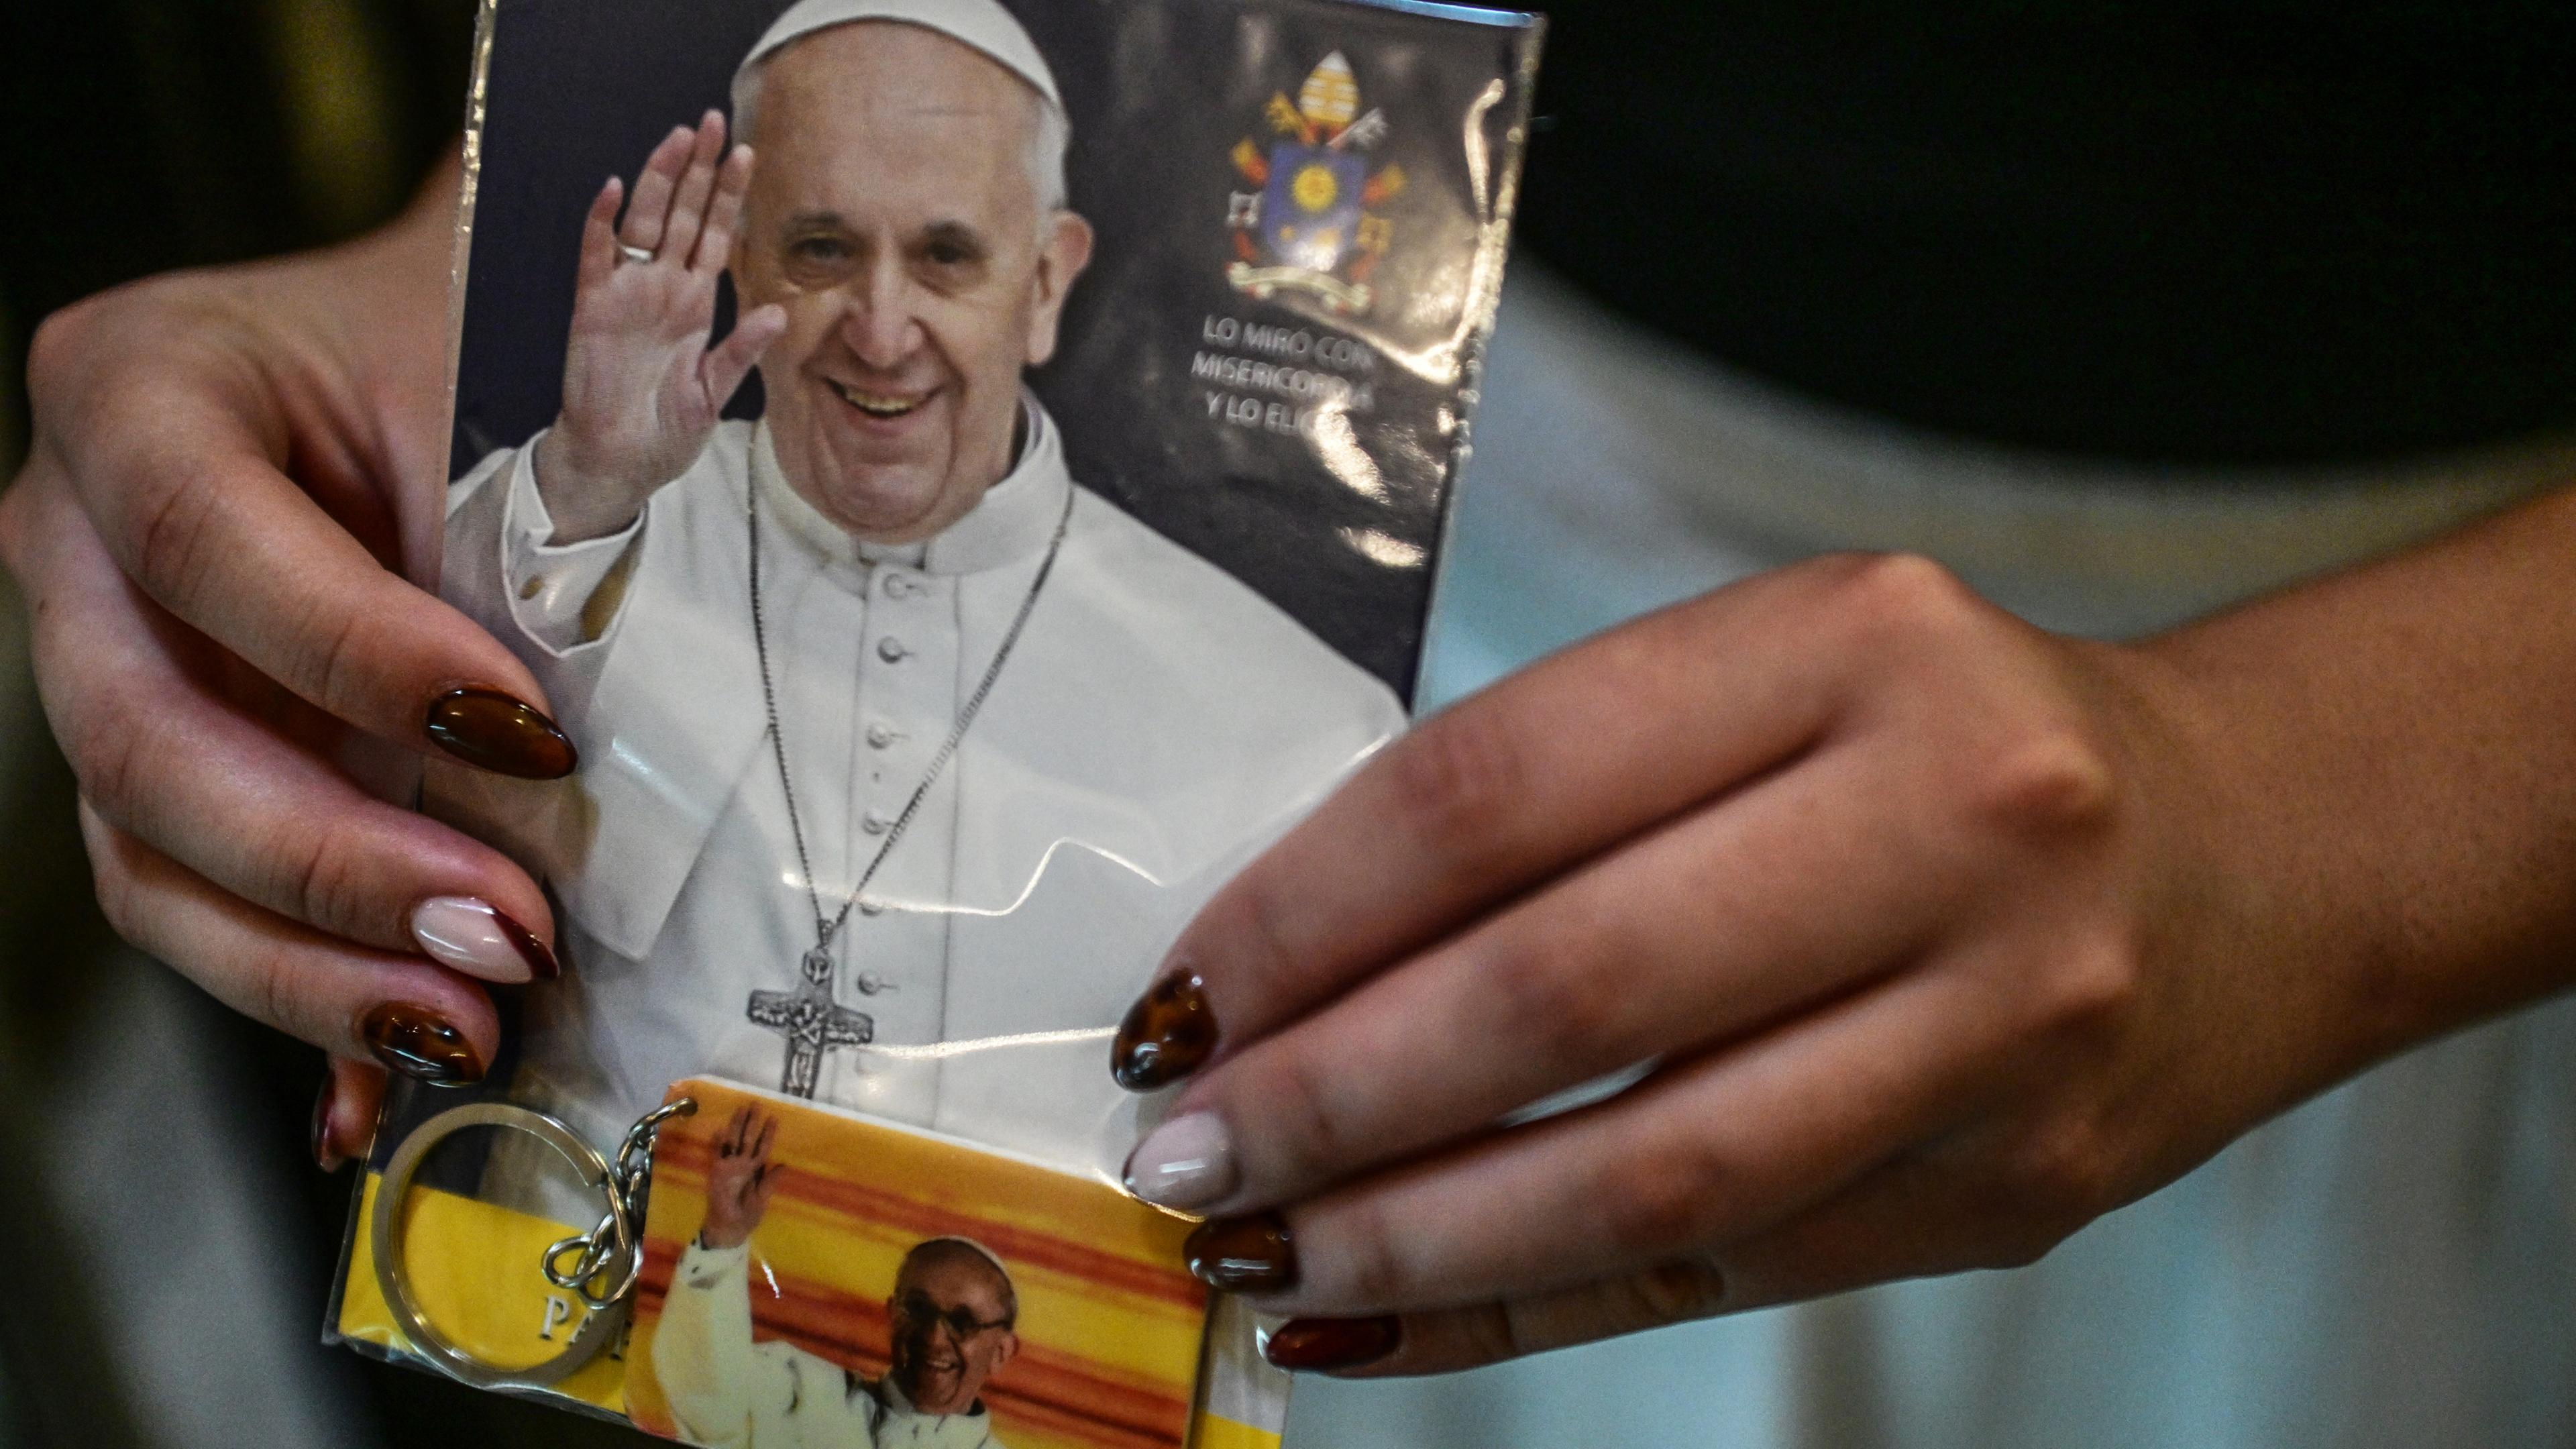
(1185, 1163)
(479, 940)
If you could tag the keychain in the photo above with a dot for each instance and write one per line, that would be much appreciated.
(612, 1250)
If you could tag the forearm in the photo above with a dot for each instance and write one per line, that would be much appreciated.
(2385, 762)
(702, 1346)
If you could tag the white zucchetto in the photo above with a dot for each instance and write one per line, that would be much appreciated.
(981, 24)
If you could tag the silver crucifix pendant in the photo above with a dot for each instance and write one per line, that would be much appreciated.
(811, 1021)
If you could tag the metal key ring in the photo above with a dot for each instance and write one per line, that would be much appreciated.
(597, 1331)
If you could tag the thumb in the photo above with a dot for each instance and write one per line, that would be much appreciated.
(722, 370)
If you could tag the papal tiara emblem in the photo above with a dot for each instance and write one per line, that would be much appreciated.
(1307, 224)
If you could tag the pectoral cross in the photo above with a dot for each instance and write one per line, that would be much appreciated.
(811, 1022)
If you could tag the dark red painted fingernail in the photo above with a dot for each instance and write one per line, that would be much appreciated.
(1332, 1343)
(1168, 1034)
(487, 728)
(1250, 1254)
(418, 1042)
(323, 1157)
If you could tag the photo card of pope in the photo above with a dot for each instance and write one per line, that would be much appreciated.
(965, 475)
(815, 1278)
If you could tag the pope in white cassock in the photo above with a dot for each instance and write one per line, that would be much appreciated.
(951, 1323)
(901, 251)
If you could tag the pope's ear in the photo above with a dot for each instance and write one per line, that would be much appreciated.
(1009, 1349)
(1062, 254)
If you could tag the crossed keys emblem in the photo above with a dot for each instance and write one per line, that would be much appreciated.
(811, 1021)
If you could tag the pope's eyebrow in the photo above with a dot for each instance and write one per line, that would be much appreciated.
(956, 234)
(817, 221)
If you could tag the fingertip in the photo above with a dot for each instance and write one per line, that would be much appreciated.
(346, 1112)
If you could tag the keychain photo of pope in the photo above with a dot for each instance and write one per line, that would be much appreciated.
(902, 754)
(953, 1320)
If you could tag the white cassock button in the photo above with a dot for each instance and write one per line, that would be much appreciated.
(891, 650)
(876, 822)
(871, 908)
(901, 586)
(879, 736)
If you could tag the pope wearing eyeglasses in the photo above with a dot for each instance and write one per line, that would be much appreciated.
(953, 1313)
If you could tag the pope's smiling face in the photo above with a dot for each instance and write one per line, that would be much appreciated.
(893, 213)
(951, 1321)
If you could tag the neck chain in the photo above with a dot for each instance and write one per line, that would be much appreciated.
(825, 930)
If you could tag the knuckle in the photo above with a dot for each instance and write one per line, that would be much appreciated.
(2057, 780)
(168, 520)
(57, 342)
(1487, 1333)
(274, 999)
(337, 640)
(1660, 1201)
(119, 894)
(2090, 987)
(1459, 779)
(1901, 601)
(1372, 1263)
(1547, 997)
(1308, 1142)
(2061, 1178)
(1676, 1291)
(110, 759)
(271, 986)
(1263, 934)
(325, 884)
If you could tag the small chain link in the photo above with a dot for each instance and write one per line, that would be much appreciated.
(614, 1247)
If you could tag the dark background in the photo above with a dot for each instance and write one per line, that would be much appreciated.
(2256, 231)
(1158, 94)
(2277, 231)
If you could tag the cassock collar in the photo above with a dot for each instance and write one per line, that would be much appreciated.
(1013, 521)
(891, 1394)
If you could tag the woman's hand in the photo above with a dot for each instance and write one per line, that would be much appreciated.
(642, 390)
(232, 471)
(1938, 936)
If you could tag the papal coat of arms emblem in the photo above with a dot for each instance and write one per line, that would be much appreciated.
(1307, 224)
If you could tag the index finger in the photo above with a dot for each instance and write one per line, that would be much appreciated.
(1504, 790)
(192, 502)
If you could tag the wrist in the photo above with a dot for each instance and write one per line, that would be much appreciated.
(582, 504)
(2305, 826)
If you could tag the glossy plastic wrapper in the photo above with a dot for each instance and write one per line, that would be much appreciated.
(1021, 593)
